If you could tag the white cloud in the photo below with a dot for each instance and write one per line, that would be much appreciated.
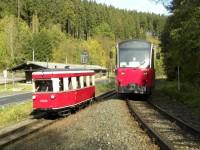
(139, 5)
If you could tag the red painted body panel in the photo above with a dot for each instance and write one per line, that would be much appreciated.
(150, 77)
(85, 94)
(130, 75)
(63, 99)
(137, 76)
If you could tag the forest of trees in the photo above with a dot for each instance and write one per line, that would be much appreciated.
(181, 40)
(59, 30)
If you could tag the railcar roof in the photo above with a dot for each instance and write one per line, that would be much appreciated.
(134, 40)
(58, 71)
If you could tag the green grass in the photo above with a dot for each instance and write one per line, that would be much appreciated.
(17, 87)
(189, 94)
(101, 88)
(13, 113)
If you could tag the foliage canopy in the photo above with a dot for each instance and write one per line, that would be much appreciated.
(56, 29)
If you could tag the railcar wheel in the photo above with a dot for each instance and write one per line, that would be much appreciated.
(73, 110)
(64, 113)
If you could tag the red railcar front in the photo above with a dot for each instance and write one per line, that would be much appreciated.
(135, 67)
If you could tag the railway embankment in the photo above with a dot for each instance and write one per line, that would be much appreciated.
(168, 133)
(184, 104)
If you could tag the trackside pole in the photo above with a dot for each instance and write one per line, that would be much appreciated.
(178, 69)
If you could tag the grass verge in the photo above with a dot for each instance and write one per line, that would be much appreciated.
(17, 87)
(189, 94)
(13, 113)
(104, 87)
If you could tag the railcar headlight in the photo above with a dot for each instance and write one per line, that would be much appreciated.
(53, 96)
(33, 97)
(145, 73)
(122, 73)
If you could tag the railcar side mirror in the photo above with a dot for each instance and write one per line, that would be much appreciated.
(157, 55)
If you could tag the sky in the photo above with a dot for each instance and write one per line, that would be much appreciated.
(139, 5)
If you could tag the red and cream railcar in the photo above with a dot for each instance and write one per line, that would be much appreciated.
(135, 67)
(57, 90)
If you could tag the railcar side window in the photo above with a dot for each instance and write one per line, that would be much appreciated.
(91, 80)
(43, 86)
(84, 81)
(78, 82)
(70, 84)
(61, 84)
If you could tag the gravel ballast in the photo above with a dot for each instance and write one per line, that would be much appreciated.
(102, 126)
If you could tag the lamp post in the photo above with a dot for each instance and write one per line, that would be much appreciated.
(178, 76)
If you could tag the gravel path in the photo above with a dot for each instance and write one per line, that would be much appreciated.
(102, 126)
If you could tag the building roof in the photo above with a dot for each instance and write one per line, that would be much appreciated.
(91, 67)
(30, 65)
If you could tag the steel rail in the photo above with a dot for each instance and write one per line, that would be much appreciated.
(155, 136)
(195, 132)
(32, 125)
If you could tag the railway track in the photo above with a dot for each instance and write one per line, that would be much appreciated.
(164, 129)
(34, 124)
(167, 131)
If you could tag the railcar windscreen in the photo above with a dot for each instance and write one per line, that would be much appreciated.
(43, 86)
(134, 54)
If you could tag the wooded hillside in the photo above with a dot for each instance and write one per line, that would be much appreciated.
(60, 30)
(181, 40)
